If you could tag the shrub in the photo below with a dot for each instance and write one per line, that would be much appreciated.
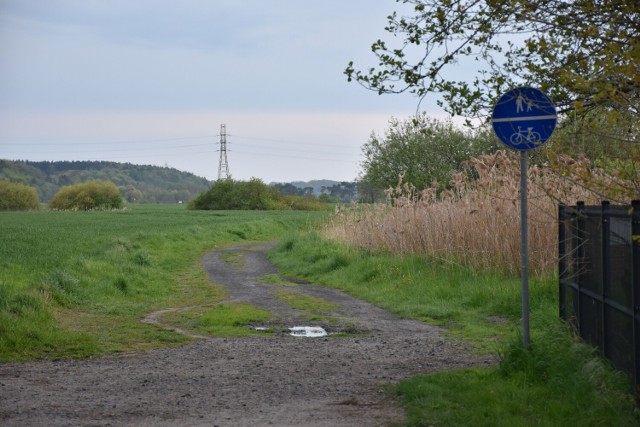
(18, 197)
(227, 194)
(304, 203)
(88, 196)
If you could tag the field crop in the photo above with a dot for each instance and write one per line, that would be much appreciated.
(74, 284)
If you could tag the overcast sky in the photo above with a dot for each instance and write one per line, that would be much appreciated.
(151, 81)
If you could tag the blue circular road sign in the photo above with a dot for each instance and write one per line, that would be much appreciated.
(524, 118)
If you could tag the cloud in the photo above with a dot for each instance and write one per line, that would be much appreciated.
(78, 55)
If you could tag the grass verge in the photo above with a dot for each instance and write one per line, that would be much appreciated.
(557, 381)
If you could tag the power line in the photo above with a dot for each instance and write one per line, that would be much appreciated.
(282, 141)
(132, 141)
(105, 150)
(263, 149)
(294, 157)
(179, 138)
(244, 152)
(344, 154)
(172, 150)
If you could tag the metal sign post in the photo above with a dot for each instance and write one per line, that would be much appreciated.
(524, 246)
(523, 119)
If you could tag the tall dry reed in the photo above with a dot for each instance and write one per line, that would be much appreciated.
(476, 223)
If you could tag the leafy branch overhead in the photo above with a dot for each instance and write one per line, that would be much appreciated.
(584, 54)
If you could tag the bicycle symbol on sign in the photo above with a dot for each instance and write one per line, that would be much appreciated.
(528, 136)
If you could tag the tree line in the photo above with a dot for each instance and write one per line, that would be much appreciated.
(343, 191)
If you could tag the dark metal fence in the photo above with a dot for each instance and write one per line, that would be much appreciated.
(599, 248)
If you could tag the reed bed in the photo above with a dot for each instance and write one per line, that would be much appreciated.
(477, 222)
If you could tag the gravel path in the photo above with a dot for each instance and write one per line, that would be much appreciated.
(278, 380)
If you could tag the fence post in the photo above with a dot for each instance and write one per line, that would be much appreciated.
(635, 289)
(578, 248)
(605, 244)
(562, 262)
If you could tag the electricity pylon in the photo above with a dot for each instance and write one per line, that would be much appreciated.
(223, 165)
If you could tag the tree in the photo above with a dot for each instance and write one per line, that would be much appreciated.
(131, 193)
(254, 195)
(219, 197)
(88, 196)
(227, 194)
(420, 150)
(288, 188)
(18, 197)
(584, 53)
(343, 191)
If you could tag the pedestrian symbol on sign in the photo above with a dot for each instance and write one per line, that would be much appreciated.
(519, 101)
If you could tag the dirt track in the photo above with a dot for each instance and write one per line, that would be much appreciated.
(279, 380)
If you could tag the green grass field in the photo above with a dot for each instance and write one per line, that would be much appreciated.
(77, 284)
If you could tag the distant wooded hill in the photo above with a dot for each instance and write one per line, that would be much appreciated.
(142, 183)
(137, 183)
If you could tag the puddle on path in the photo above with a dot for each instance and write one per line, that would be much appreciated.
(299, 331)
(308, 331)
